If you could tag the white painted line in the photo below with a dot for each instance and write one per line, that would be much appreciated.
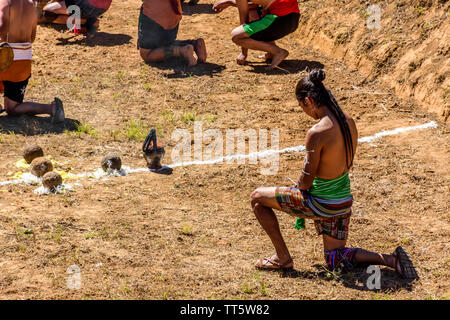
(260, 155)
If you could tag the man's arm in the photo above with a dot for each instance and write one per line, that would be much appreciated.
(242, 6)
(312, 159)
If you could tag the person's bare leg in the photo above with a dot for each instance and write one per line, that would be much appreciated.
(159, 54)
(30, 108)
(263, 200)
(268, 56)
(242, 39)
(200, 50)
(363, 256)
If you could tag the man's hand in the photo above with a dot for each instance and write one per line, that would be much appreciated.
(220, 5)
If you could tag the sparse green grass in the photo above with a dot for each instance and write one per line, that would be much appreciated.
(135, 130)
(446, 94)
(147, 86)
(115, 134)
(247, 288)
(188, 117)
(83, 129)
(210, 118)
(263, 288)
(57, 234)
(169, 117)
(420, 11)
(90, 235)
(121, 75)
(187, 230)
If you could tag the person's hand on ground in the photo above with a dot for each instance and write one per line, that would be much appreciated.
(220, 5)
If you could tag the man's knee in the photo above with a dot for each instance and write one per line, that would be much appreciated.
(256, 198)
(144, 54)
(10, 107)
(238, 34)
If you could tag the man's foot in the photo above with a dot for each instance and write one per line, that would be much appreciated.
(200, 50)
(91, 29)
(57, 111)
(403, 264)
(273, 263)
(241, 59)
(277, 59)
(187, 52)
(267, 57)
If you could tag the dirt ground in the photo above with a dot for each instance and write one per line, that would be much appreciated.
(192, 234)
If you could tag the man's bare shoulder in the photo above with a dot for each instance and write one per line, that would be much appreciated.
(317, 133)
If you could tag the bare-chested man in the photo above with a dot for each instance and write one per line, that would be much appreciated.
(18, 20)
(158, 29)
(90, 10)
(322, 192)
(277, 19)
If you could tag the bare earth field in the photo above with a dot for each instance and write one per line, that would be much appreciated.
(192, 234)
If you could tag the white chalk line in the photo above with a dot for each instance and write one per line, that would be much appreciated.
(253, 155)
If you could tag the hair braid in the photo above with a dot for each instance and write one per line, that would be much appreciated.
(312, 87)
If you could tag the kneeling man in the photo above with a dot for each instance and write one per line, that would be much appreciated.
(18, 21)
(323, 189)
(158, 28)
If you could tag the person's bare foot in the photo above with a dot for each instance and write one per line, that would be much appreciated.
(187, 52)
(200, 50)
(277, 59)
(241, 59)
(267, 57)
(274, 263)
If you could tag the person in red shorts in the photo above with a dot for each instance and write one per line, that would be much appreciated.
(275, 19)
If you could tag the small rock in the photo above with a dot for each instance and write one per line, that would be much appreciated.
(32, 152)
(51, 180)
(111, 161)
(41, 166)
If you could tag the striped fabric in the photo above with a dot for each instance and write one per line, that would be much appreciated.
(329, 198)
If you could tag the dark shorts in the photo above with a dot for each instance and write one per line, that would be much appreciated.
(87, 11)
(271, 27)
(151, 35)
(291, 201)
(15, 91)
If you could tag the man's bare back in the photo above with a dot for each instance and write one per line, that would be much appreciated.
(18, 20)
(161, 11)
(332, 163)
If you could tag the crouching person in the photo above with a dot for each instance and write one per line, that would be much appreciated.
(90, 11)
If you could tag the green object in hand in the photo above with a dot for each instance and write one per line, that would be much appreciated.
(300, 224)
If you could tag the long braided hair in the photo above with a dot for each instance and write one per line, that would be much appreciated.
(312, 87)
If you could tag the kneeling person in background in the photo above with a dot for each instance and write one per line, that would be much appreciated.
(158, 28)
